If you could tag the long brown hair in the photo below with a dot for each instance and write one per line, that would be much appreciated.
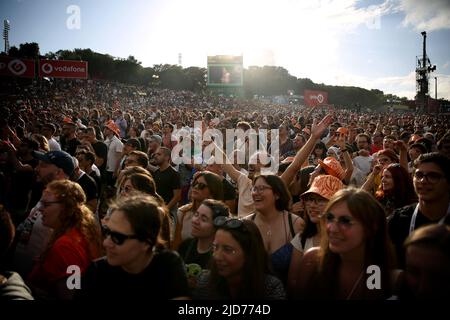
(403, 191)
(378, 248)
(255, 268)
(215, 187)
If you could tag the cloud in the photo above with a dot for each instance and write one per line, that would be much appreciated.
(402, 86)
(426, 15)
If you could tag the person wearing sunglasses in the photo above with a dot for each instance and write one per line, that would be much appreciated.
(431, 180)
(137, 266)
(76, 239)
(144, 183)
(314, 200)
(240, 266)
(205, 185)
(355, 238)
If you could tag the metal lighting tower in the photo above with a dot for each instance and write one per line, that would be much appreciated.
(435, 88)
(6, 28)
(423, 70)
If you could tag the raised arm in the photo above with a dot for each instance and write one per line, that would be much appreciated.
(401, 145)
(347, 159)
(226, 164)
(304, 152)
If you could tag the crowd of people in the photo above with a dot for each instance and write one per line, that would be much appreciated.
(88, 180)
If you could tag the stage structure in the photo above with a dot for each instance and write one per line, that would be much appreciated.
(423, 70)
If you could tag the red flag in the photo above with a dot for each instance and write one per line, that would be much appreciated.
(315, 98)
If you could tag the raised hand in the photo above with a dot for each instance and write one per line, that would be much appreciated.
(318, 129)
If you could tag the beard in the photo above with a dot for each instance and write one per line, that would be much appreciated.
(46, 179)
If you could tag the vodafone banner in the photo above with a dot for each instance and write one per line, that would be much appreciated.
(63, 69)
(315, 98)
(10, 66)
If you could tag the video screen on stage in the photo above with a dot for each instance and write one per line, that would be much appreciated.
(225, 71)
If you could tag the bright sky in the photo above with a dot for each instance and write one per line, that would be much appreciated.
(367, 43)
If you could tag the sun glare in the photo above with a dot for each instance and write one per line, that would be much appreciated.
(292, 34)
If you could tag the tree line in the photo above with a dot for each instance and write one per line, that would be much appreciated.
(261, 81)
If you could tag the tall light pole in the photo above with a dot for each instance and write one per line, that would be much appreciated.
(6, 28)
(435, 88)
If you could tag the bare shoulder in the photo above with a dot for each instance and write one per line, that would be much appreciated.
(185, 208)
(311, 256)
(299, 223)
(307, 269)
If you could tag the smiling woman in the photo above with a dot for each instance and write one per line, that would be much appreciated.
(355, 239)
(75, 240)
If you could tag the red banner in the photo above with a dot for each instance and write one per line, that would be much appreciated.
(10, 66)
(315, 98)
(63, 69)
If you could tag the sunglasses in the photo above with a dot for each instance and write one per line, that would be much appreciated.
(200, 185)
(231, 223)
(116, 237)
(342, 221)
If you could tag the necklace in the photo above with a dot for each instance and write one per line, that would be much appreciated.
(269, 232)
(355, 285)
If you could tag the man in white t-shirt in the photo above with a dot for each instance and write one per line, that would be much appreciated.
(48, 130)
(115, 148)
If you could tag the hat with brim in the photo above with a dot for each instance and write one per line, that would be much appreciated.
(325, 186)
(61, 159)
(113, 127)
(332, 167)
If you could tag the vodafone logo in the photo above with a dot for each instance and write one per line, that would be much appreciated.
(17, 67)
(47, 68)
(320, 98)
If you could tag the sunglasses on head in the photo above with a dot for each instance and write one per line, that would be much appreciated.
(116, 237)
(231, 223)
(200, 185)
